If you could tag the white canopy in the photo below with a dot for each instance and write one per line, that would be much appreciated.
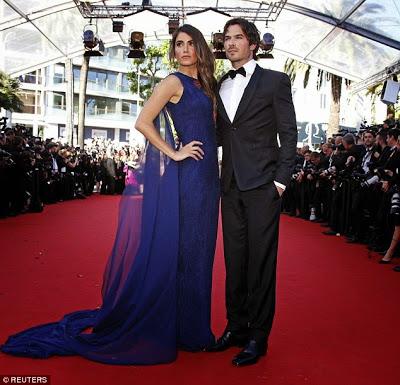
(352, 38)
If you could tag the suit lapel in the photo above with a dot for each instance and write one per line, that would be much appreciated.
(248, 93)
(220, 103)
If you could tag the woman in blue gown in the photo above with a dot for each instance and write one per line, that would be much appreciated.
(157, 283)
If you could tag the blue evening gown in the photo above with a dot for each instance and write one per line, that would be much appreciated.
(156, 294)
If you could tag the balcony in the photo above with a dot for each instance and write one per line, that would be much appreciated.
(105, 88)
(107, 113)
(30, 79)
(120, 64)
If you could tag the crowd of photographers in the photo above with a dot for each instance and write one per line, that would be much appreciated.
(35, 172)
(351, 186)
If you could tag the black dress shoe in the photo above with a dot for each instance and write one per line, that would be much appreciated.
(250, 354)
(226, 341)
(385, 262)
(397, 269)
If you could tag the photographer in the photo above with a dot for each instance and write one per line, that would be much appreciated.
(17, 183)
(51, 186)
(290, 199)
(315, 185)
(69, 161)
(362, 193)
(108, 174)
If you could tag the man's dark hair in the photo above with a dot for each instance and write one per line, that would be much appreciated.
(51, 145)
(394, 132)
(383, 135)
(349, 138)
(369, 132)
(249, 29)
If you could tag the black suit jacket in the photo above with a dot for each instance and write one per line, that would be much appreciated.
(249, 143)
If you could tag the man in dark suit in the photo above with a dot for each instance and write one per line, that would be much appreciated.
(254, 107)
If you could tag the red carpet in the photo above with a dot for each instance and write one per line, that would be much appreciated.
(337, 320)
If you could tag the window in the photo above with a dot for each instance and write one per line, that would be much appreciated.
(112, 81)
(77, 73)
(28, 98)
(62, 131)
(59, 74)
(129, 107)
(102, 78)
(97, 105)
(30, 78)
(91, 76)
(58, 100)
(125, 83)
(99, 133)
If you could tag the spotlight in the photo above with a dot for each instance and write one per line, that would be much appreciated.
(173, 23)
(118, 26)
(136, 45)
(91, 41)
(267, 45)
(218, 44)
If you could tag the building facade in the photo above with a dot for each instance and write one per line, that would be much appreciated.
(111, 108)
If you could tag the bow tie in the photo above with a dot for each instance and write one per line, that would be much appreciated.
(241, 71)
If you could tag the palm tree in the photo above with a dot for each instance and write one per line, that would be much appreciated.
(9, 89)
(374, 92)
(82, 100)
(293, 67)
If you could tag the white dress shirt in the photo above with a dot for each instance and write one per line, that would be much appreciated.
(231, 93)
(55, 165)
(366, 159)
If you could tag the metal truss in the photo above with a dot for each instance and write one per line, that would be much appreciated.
(267, 11)
(379, 77)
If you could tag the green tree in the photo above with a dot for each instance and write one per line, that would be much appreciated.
(144, 70)
(9, 89)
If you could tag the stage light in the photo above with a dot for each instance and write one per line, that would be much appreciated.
(91, 41)
(217, 40)
(267, 45)
(118, 26)
(136, 45)
(173, 23)
(146, 3)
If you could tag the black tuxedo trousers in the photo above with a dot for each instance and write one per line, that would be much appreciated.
(250, 227)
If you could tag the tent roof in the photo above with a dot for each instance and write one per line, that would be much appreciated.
(352, 38)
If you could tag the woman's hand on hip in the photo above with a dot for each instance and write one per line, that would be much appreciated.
(190, 150)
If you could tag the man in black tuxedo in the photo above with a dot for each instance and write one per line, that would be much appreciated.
(254, 106)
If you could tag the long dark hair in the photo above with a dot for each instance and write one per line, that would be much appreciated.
(205, 58)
